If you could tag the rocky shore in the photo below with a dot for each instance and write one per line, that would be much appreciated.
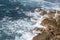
(52, 24)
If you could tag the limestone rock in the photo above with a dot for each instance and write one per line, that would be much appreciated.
(58, 12)
(38, 9)
(51, 14)
(38, 29)
(43, 36)
(49, 22)
(43, 13)
(52, 32)
(57, 17)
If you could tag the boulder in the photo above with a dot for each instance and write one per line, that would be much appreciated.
(58, 12)
(38, 29)
(43, 36)
(49, 22)
(52, 30)
(51, 14)
(38, 9)
(43, 13)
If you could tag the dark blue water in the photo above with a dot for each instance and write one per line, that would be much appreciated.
(53, 1)
(16, 10)
(8, 9)
(11, 8)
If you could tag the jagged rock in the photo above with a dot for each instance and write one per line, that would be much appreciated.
(58, 36)
(51, 14)
(38, 9)
(43, 36)
(58, 12)
(58, 21)
(56, 32)
(52, 32)
(49, 22)
(38, 29)
(43, 13)
(57, 17)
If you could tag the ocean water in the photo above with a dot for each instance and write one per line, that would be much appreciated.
(16, 17)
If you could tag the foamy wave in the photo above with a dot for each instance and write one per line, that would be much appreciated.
(22, 28)
(39, 3)
(17, 27)
(42, 3)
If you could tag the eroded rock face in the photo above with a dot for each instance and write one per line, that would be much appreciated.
(49, 22)
(38, 9)
(58, 12)
(43, 36)
(52, 32)
(51, 14)
(43, 13)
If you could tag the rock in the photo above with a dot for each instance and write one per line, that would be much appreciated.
(49, 22)
(43, 13)
(51, 14)
(40, 29)
(38, 9)
(43, 36)
(58, 21)
(56, 32)
(57, 17)
(58, 12)
(52, 30)
(58, 36)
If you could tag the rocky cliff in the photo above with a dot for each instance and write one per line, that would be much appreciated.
(52, 24)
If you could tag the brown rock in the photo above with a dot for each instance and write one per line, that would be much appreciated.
(58, 36)
(52, 32)
(38, 9)
(58, 21)
(58, 12)
(43, 13)
(51, 14)
(58, 24)
(38, 29)
(57, 17)
(43, 36)
(56, 32)
(49, 22)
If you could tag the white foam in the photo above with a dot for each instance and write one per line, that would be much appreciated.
(17, 8)
(19, 26)
(37, 0)
(23, 26)
(27, 36)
